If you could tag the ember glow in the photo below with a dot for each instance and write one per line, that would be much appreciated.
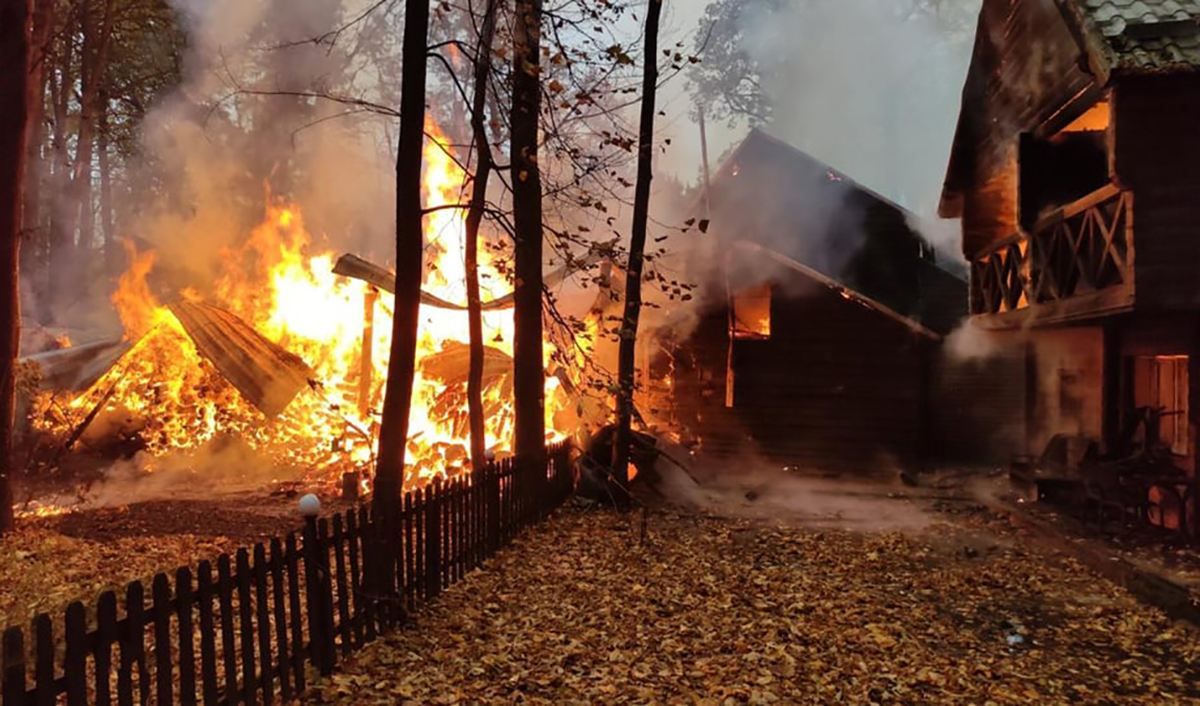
(172, 398)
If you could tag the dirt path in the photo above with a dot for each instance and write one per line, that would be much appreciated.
(729, 611)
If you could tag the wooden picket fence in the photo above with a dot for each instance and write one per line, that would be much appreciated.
(259, 626)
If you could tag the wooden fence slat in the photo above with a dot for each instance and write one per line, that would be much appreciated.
(443, 532)
(292, 555)
(445, 515)
(246, 632)
(160, 588)
(135, 639)
(316, 582)
(455, 524)
(13, 688)
(75, 662)
(447, 534)
(262, 613)
(106, 637)
(46, 691)
(433, 540)
(356, 578)
(408, 544)
(209, 691)
(325, 590)
(420, 553)
(311, 581)
(370, 543)
(281, 631)
(343, 599)
(476, 520)
(184, 599)
(228, 644)
(463, 524)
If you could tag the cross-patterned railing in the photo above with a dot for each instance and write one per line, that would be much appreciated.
(1081, 248)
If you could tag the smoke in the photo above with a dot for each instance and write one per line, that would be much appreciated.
(871, 87)
(226, 467)
(972, 342)
(242, 128)
(761, 490)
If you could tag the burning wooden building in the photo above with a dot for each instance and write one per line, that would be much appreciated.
(1074, 172)
(813, 342)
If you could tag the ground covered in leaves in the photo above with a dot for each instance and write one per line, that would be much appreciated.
(50, 561)
(715, 611)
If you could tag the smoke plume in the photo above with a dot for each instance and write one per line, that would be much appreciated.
(244, 125)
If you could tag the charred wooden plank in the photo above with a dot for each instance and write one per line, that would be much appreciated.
(266, 374)
(349, 265)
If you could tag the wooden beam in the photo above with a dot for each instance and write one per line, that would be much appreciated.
(1081, 307)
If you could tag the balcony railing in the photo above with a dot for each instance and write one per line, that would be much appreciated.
(1082, 250)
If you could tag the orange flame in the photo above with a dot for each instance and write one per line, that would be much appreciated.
(291, 296)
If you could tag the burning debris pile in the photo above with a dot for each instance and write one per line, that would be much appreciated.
(290, 356)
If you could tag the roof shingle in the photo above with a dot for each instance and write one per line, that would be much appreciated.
(1148, 35)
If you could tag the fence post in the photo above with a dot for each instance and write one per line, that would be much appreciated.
(433, 525)
(492, 488)
(319, 602)
(14, 667)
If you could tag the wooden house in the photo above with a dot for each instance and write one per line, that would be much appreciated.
(821, 319)
(1076, 173)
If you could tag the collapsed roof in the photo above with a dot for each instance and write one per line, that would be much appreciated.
(266, 374)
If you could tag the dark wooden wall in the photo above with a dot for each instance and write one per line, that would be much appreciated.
(978, 405)
(837, 386)
(1157, 155)
(1026, 67)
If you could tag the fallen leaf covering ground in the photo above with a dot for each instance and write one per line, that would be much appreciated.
(713, 611)
(49, 562)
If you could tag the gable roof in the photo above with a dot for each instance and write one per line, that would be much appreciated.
(788, 203)
(1115, 38)
(845, 292)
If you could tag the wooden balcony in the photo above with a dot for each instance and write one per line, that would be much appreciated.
(1075, 264)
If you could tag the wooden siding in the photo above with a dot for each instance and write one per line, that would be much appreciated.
(1069, 385)
(1157, 155)
(977, 410)
(837, 386)
(1026, 69)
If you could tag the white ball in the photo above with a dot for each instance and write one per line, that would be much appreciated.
(310, 505)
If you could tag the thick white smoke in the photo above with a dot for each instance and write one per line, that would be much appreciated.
(236, 127)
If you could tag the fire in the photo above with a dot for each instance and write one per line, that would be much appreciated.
(173, 398)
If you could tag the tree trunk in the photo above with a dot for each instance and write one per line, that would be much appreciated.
(393, 432)
(16, 96)
(528, 378)
(483, 171)
(35, 241)
(637, 245)
(92, 76)
(111, 254)
(60, 238)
